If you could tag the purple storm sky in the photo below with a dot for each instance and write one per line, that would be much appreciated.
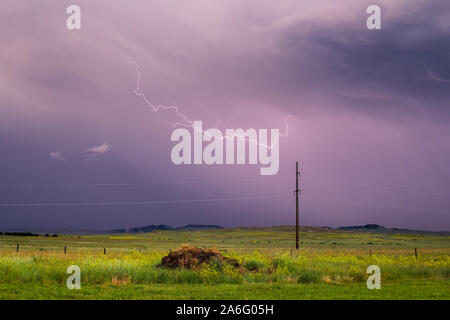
(370, 111)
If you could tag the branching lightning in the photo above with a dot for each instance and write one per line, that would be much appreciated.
(186, 122)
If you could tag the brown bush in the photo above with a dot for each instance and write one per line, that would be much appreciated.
(189, 257)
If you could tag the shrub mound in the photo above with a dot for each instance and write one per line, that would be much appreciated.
(189, 257)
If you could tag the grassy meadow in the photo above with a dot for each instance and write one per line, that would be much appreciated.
(329, 265)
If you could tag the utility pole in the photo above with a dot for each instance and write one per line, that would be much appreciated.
(297, 190)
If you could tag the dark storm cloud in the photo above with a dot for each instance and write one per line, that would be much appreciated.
(401, 68)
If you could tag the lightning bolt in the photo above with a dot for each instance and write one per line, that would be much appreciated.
(156, 108)
(186, 122)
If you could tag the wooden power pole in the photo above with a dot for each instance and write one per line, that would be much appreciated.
(297, 190)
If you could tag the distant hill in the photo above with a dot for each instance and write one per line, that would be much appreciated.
(153, 227)
(365, 227)
(375, 228)
(144, 229)
(199, 227)
(20, 234)
(368, 228)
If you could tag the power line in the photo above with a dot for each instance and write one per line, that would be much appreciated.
(375, 205)
(156, 202)
(130, 184)
(125, 184)
(359, 185)
(73, 204)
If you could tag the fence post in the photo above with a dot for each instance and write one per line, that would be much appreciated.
(104, 250)
(17, 248)
(415, 252)
(65, 249)
(370, 252)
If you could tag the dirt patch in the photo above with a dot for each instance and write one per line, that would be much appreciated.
(193, 258)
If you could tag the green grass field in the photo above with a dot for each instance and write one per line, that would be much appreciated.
(330, 265)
